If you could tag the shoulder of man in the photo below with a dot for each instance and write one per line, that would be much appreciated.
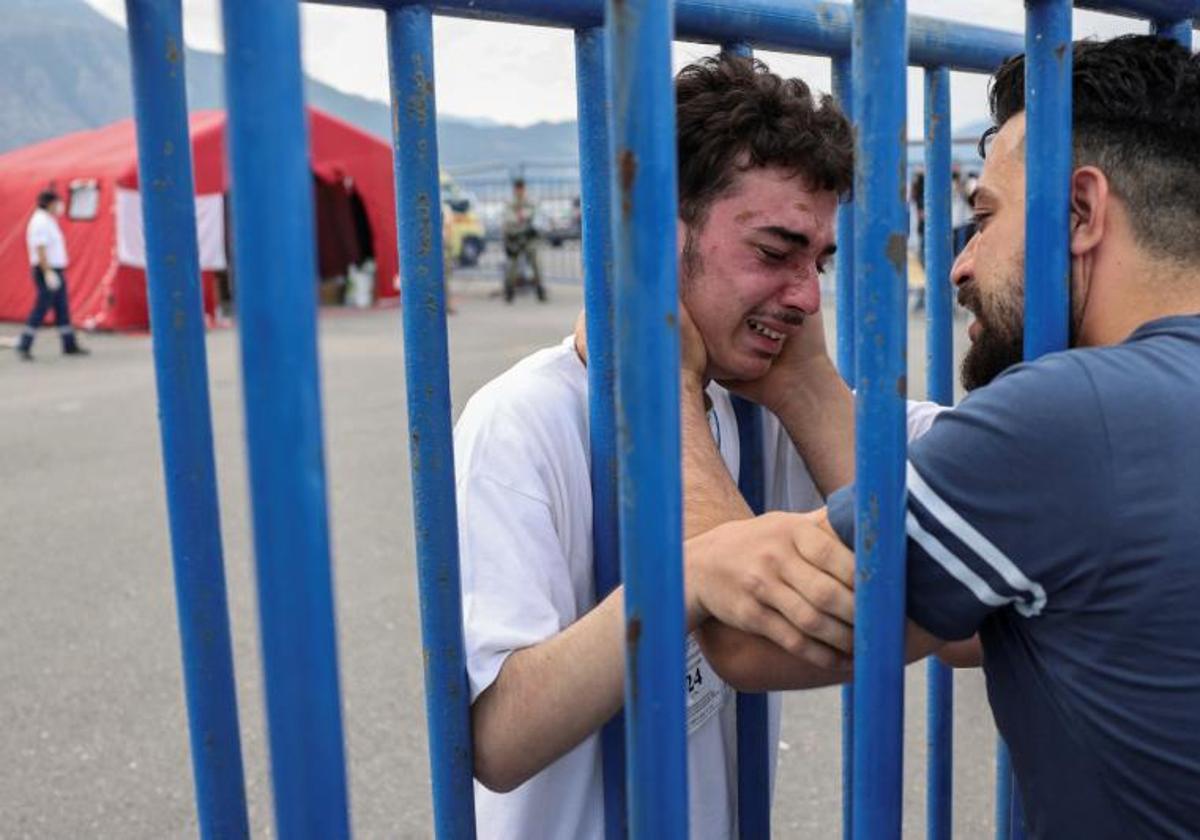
(542, 396)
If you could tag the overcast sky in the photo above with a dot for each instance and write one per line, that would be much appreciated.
(522, 74)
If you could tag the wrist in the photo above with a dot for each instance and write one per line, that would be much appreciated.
(813, 382)
(695, 613)
(691, 382)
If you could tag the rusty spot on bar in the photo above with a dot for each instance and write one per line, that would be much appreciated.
(633, 634)
(418, 106)
(1060, 51)
(902, 386)
(628, 172)
(172, 50)
(897, 251)
(671, 320)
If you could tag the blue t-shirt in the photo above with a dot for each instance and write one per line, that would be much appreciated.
(1056, 512)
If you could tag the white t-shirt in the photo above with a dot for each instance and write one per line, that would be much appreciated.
(525, 535)
(43, 230)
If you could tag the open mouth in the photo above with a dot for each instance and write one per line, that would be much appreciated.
(763, 330)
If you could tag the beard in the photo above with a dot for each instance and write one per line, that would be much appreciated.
(1000, 343)
(1001, 339)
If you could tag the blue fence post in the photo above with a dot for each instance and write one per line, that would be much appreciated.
(753, 747)
(185, 416)
(939, 367)
(1048, 155)
(1048, 173)
(1179, 30)
(881, 246)
(273, 226)
(644, 219)
(595, 197)
(431, 449)
(843, 91)
(1004, 786)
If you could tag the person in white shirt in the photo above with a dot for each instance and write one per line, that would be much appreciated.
(48, 261)
(762, 166)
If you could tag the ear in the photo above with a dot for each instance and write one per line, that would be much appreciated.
(1090, 198)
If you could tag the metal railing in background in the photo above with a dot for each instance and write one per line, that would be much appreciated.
(556, 194)
(627, 155)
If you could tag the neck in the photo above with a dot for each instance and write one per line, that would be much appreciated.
(1143, 290)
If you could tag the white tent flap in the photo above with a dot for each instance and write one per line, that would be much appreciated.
(210, 230)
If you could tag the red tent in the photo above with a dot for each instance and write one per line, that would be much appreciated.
(96, 171)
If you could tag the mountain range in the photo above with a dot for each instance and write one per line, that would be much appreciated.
(66, 69)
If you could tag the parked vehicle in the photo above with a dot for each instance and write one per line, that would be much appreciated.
(464, 230)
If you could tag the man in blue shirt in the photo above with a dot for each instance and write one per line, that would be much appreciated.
(1055, 512)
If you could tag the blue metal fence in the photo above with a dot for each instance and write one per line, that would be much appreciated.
(427, 380)
(181, 375)
(939, 380)
(626, 123)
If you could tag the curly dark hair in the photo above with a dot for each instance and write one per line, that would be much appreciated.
(733, 114)
(1136, 117)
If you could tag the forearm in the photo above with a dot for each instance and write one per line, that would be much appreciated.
(549, 697)
(710, 495)
(752, 663)
(965, 654)
(818, 413)
(43, 260)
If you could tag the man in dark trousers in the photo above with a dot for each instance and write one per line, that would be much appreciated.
(48, 260)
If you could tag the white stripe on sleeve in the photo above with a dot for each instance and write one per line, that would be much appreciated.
(976, 542)
(956, 568)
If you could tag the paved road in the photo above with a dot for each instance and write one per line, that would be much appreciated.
(95, 740)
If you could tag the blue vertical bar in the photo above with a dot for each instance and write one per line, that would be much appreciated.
(1048, 156)
(644, 217)
(275, 259)
(753, 747)
(185, 417)
(427, 382)
(595, 195)
(1179, 30)
(843, 91)
(1048, 173)
(1004, 797)
(881, 246)
(939, 376)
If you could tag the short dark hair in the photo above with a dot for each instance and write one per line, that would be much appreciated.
(1135, 116)
(733, 114)
(47, 197)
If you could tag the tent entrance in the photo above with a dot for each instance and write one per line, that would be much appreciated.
(345, 245)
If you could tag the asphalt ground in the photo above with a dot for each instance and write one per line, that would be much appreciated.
(91, 695)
